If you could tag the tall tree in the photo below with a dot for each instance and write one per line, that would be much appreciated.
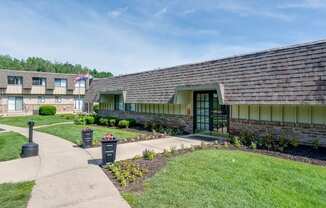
(40, 64)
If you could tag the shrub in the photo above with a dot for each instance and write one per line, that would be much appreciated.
(68, 116)
(283, 142)
(112, 122)
(236, 142)
(246, 138)
(96, 108)
(315, 143)
(79, 120)
(103, 121)
(132, 122)
(294, 142)
(253, 145)
(90, 119)
(123, 124)
(267, 140)
(47, 110)
(149, 154)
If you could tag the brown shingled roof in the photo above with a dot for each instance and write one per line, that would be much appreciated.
(293, 75)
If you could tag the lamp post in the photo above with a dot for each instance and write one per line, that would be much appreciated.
(30, 149)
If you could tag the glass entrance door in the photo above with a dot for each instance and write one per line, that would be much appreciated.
(202, 111)
(209, 115)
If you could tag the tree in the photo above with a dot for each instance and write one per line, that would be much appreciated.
(40, 64)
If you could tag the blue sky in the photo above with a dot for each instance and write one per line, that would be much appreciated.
(136, 35)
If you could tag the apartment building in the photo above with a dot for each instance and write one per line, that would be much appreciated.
(23, 92)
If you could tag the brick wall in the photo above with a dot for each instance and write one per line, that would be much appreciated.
(60, 108)
(305, 133)
(173, 121)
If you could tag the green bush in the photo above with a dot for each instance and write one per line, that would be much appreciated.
(112, 122)
(132, 122)
(96, 108)
(47, 110)
(90, 119)
(103, 121)
(68, 116)
(123, 124)
(246, 138)
(149, 154)
(316, 143)
(79, 120)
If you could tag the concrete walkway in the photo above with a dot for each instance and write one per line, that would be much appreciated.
(66, 175)
(130, 150)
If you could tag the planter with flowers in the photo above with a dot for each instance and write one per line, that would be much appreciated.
(109, 148)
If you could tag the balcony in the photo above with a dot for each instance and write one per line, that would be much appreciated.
(14, 89)
(40, 90)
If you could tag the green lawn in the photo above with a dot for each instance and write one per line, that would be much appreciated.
(15, 195)
(21, 121)
(72, 132)
(221, 178)
(10, 145)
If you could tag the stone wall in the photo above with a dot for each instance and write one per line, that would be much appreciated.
(305, 133)
(173, 121)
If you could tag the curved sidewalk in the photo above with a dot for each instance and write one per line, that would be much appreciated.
(65, 176)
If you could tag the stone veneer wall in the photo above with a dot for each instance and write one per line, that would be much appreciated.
(305, 133)
(174, 121)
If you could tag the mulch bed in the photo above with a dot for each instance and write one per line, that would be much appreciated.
(152, 167)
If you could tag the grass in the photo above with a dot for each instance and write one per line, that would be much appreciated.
(72, 132)
(15, 194)
(221, 178)
(21, 121)
(10, 145)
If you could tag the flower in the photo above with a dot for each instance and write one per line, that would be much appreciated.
(108, 137)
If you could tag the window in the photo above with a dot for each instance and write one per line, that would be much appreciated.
(79, 103)
(39, 81)
(118, 102)
(15, 104)
(60, 82)
(58, 99)
(41, 99)
(80, 84)
(15, 80)
(131, 107)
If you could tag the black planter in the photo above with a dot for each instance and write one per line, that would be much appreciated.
(87, 137)
(109, 149)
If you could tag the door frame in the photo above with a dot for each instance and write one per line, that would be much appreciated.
(210, 105)
(210, 111)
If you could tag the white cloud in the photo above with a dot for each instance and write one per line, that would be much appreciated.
(118, 12)
(161, 12)
(305, 4)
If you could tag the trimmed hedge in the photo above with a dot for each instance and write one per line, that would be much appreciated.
(47, 110)
(123, 124)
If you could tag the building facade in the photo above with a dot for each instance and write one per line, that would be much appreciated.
(278, 90)
(23, 92)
